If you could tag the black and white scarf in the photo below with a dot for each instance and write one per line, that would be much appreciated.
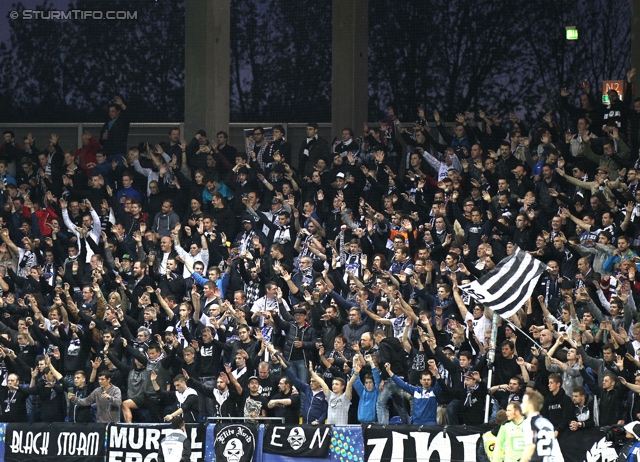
(467, 401)
(252, 289)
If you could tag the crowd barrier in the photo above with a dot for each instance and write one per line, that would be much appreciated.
(250, 442)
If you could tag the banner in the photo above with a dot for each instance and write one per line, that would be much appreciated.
(298, 440)
(92, 442)
(586, 445)
(140, 443)
(410, 443)
(73, 442)
(347, 445)
(235, 442)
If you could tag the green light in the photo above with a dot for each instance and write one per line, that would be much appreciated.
(572, 32)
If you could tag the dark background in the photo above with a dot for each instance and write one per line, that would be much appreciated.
(448, 55)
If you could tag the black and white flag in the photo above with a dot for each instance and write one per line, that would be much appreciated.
(509, 285)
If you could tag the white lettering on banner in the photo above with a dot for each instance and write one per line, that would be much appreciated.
(143, 438)
(115, 456)
(274, 435)
(78, 444)
(132, 442)
(422, 441)
(135, 438)
(27, 443)
(194, 443)
(397, 446)
(378, 448)
(318, 438)
(469, 443)
(118, 456)
(442, 443)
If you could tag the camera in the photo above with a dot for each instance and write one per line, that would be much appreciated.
(616, 434)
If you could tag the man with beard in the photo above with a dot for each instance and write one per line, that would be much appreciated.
(252, 404)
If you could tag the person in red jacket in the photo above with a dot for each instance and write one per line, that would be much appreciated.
(87, 153)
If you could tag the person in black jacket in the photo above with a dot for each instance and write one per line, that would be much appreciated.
(390, 351)
(278, 145)
(558, 407)
(583, 410)
(115, 132)
(299, 342)
(13, 401)
(610, 395)
(182, 402)
(225, 397)
(312, 149)
(81, 389)
(49, 390)
(474, 401)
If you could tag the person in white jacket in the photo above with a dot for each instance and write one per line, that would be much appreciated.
(195, 253)
(92, 223)
(442, 167)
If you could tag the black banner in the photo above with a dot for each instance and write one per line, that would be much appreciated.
(235, 442)
(141, 442)
(41, 441)
(433, 443)
(588, 445)
(297, 440)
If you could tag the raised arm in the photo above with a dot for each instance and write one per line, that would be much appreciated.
(320, 380)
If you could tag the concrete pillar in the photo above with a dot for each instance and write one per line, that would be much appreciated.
(207, 63)
(349, 92)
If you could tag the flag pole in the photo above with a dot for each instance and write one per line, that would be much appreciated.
(491, 356)
(529, 337)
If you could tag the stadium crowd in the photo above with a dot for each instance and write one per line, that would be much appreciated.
(195, 279)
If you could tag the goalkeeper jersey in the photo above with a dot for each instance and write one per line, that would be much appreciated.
(509, 442)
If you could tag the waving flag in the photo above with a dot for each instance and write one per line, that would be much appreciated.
(509, 285)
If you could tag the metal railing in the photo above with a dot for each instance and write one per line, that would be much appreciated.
(245, 419)
(70, 134)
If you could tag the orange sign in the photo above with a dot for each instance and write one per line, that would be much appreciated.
(617, 85)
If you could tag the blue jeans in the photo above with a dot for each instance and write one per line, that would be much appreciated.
(393, 391)
(206, 405)
(453, 411)
(300, 368)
